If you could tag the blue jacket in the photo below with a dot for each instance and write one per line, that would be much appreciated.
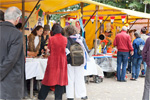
(136, 44)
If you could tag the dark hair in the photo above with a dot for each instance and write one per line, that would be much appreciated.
(56, 29)
(19, 25)
(137, 35)
(143, 30)
(1, 15)
(71, 30)
(36, 29)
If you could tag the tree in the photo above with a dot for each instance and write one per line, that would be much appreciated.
(146, 2)
(137, 5)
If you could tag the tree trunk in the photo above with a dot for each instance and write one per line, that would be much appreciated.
(145, 8)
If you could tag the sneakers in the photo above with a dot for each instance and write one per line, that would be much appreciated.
(84, 98)
(123, 81)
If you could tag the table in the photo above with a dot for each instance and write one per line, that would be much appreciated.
(35, 67)
(107, 62)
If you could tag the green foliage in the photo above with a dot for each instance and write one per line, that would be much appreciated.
(146, 2)
(127, 4)
(135, 5)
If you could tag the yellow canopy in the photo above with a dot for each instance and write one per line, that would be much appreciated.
(46, 5)
(54, 5)
(105, 10)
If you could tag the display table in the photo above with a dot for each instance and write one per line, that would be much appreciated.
(35, 68)
(107, 62)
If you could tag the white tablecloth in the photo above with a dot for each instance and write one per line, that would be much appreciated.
(35, 67)
(93, 68)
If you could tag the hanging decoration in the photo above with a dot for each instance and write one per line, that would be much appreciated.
(79, 17)
(37, 15)
(112, 18)
(92, 19)
(83, 21)
(100, 19)
(123, 18)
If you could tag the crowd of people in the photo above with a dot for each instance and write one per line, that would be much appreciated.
(62, 71)
(133, 49)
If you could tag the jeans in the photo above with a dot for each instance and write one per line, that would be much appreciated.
(130, 63)
(136, 67)
(145, 65)
(122, 57)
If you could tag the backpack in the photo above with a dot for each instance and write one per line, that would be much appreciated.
(76, 53)
(140, 48)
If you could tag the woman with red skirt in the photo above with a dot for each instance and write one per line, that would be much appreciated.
(56, 71)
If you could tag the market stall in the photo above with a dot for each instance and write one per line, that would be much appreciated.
(36, 67)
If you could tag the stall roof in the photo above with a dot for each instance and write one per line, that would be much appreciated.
(54, 5)
(105, 10)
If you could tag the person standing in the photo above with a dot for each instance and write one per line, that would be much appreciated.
(131, 33)
(137, 58)
(76, 81)
(146, 58)
(44, 38)
(34, 43)
(123, 43)
(56, 71)
(11, 57)
(144, 37)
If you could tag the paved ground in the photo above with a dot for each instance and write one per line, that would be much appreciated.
(110, 89)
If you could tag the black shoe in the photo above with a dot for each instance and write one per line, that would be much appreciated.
(70, 99)
(84, 98)
(118, 80)
(123, 80)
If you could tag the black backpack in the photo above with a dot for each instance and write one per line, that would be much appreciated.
(140, 48)
(76, 53)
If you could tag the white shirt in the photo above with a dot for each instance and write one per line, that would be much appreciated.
(144, 37)
(36, 41)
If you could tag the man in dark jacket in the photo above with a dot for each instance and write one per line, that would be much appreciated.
(146, 58)
(11, 57)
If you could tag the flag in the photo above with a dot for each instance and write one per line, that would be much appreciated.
(123, 18)
(92, 19)
(112, 19)
(100, 19)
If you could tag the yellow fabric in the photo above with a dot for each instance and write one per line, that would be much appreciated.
(45, 19)
(62, 22)
(33, 20)
(54, 5)
(90, 34)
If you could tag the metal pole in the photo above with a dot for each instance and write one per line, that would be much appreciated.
(31, 13)
(90, 18)
(95, 52)
(132, 25)
(31, 88)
